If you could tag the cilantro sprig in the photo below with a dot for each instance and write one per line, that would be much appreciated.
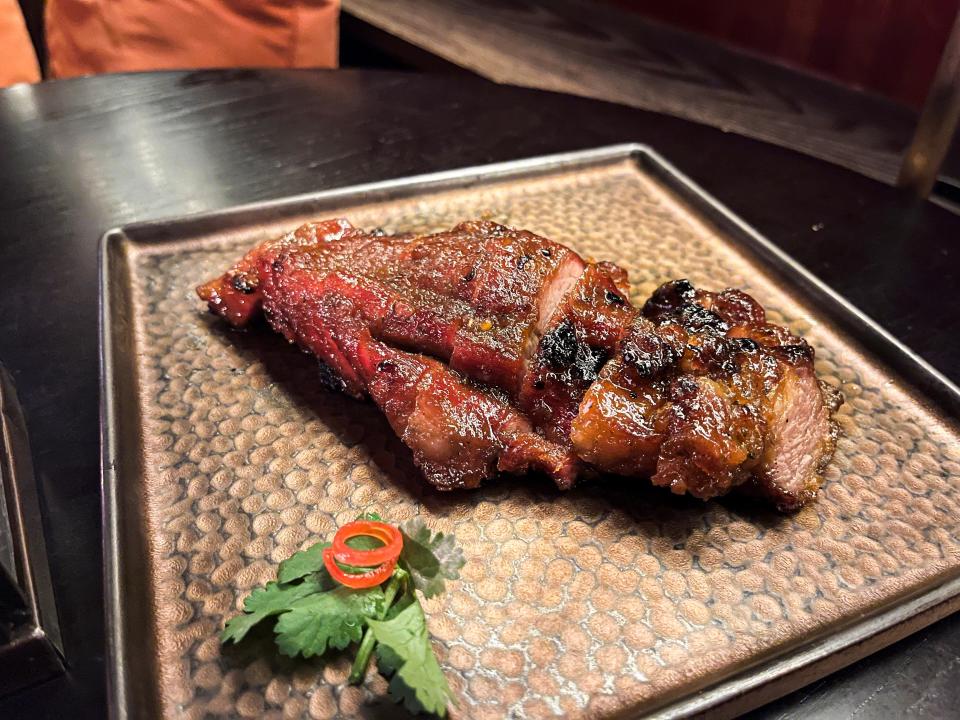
(313, 614)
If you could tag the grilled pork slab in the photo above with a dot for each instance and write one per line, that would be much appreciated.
(491, 349)
(710, 395)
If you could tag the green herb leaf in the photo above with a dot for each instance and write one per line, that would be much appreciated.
(265, 602)
(404, 649)
(400, 605)
(387, 660)
(330, 619)
(304, 563)
(370, 516)
(316, 613)
(429, 558)
(364, 542)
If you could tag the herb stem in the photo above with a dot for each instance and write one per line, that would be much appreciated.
(359, 669)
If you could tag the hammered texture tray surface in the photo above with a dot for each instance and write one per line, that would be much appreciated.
(611, 597)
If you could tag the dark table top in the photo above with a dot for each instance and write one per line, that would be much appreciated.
(80, 156)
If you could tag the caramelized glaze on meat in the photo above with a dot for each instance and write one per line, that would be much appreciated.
(581, 335)
(707, 394)
(495, 350)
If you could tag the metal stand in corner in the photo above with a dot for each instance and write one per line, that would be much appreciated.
(30, 648)
(938, 122)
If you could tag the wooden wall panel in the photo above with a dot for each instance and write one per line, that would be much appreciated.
(889, 46)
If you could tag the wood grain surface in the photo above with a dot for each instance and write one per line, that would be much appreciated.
(81, 156)
(592, 50)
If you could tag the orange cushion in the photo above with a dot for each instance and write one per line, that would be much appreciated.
(95, 36)
(18, 61)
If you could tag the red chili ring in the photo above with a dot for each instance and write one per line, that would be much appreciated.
(387, 534)
(357, 580)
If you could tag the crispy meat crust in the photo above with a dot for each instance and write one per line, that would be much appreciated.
(491, 349)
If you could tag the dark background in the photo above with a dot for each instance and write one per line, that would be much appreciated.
(891, 47)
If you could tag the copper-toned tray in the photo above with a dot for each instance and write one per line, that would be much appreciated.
(222, 456)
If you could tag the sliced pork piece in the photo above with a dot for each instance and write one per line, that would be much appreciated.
(478, 296)
(616, 425)
(768, 371)
(801, 433)
(703, 394)
(513, 288)
(460, 434)
(656, 412)
(580, 335)
(801, 438)
(491, 349)
(236, 295)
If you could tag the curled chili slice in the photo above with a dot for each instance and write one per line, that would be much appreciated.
(387, 534)
(357, 580)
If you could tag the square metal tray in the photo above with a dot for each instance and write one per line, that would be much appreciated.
(221, 457)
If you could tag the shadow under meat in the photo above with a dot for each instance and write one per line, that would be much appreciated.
(299, 375)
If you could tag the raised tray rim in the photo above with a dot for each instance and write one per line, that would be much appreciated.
(761, 682)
